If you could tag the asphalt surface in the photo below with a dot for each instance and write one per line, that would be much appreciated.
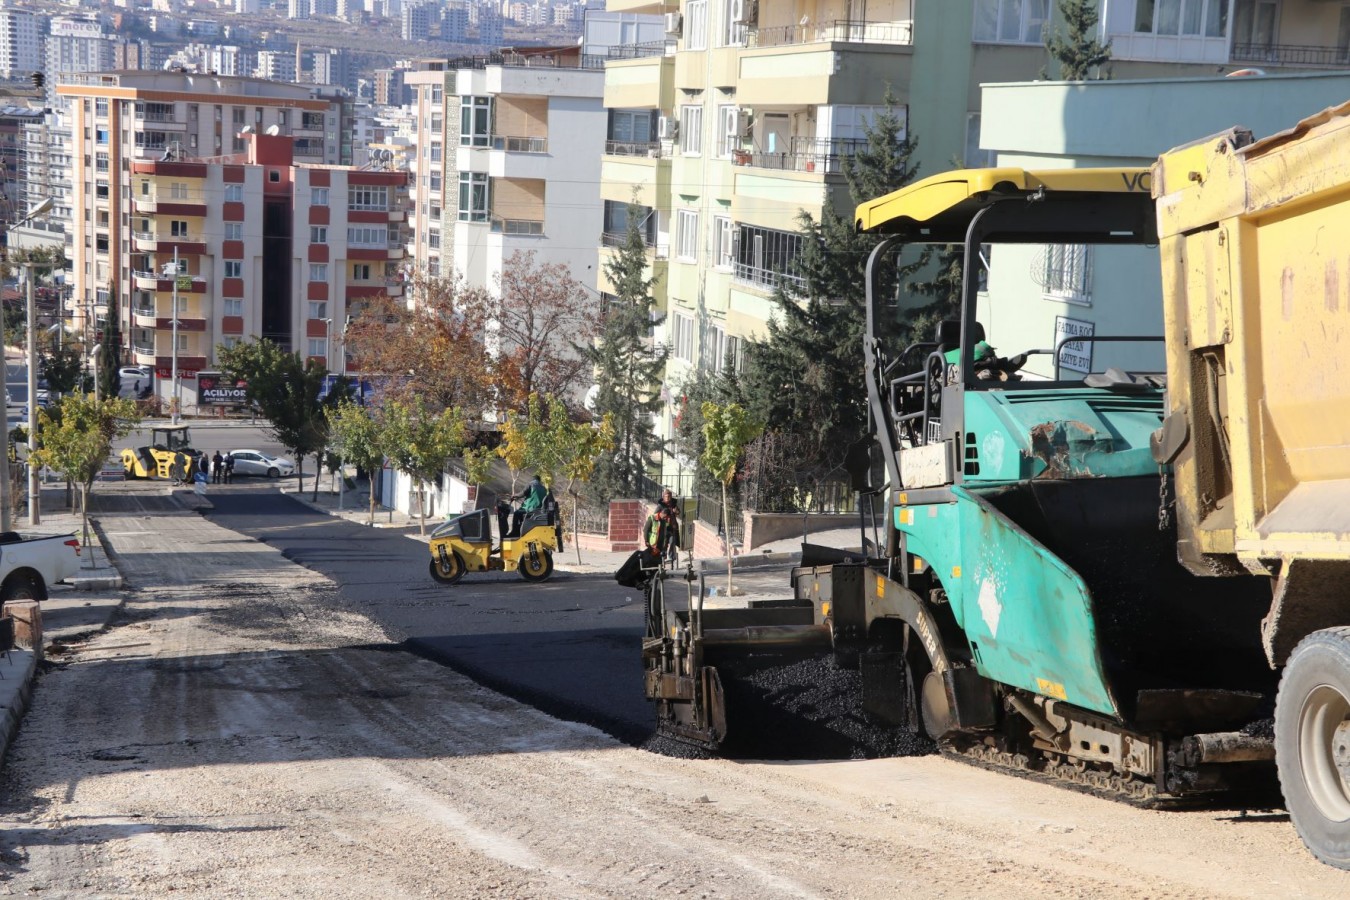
(569, 646)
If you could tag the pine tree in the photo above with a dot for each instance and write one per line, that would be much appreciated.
(805, 380)
(629, 367)
(1079, 53)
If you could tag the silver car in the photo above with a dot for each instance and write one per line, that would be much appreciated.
(255, 462)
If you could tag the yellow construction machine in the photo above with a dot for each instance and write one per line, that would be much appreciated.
(168, 455)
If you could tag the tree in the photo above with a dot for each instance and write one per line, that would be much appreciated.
(355, 435)
(434, 351)
(726, 432)
(14, 259)
(63, 367)
(539, 314)
(699, 387)
(110, 355)
(418, 441)
(289, 392)
(547, 440)
(1079, 53)
(629, 367)
(805, 380)
(78, 439)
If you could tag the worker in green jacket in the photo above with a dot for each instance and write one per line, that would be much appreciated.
(532, 500)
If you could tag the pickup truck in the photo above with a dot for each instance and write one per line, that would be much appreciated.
(28, 564)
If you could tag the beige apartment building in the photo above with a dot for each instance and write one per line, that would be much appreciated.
(741, 117)
(235, 179)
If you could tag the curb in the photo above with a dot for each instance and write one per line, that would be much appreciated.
(96, 583)
(11, 716)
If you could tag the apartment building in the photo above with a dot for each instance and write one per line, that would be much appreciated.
(118, 118)
(743, 113)
(255, 244)
(21, 37)
(508, 159)
(75, 45)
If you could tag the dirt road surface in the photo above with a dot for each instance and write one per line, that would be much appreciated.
(239, 734)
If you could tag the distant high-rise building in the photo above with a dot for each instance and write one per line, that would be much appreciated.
(246, 7)
(298, 9)
(20, 43)
(331, 67)
(416, 23)
(129, 55)
(275, 65)
(73, 46)
(390, 89)
(491, 28)
(455, 23)
(324, 8)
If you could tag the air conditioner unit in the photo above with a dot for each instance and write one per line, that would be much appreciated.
(667, 128)
(674, 23)
(746, 12)
(745, 123)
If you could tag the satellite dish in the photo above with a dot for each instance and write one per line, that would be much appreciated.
(274, 130)
(247, 129)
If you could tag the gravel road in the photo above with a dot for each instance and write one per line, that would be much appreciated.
(238, 732)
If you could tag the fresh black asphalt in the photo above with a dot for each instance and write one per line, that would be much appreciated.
(570, 646)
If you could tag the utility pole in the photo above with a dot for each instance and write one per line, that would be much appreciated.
(173, 376)
(34, 483)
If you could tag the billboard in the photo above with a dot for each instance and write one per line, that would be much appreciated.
(214, 388)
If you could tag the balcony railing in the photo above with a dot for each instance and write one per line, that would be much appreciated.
(517, 226)
(837, 31)
(644, 50)
(823, 155)
(513, 144)
(767, 279)
(149, 116)
(528, 61)
(649, 149)
(165, 238)
(139, 310)
(1291, 54)
(616, 239)
(146, 349)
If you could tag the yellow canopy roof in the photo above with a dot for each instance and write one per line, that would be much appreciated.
(939, 207)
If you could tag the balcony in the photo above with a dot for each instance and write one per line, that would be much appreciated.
(820, 155)
(150, 242)
(1291, 55)
(645, 50)
(616, 239)
(644, 149)
(186, 205)
(642, 82)
(831, 62)
(151, 281)
(512, 144)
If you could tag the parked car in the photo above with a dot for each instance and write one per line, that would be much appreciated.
(29, 564)
(255, 462)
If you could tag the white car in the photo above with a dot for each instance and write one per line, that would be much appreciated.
(255, 462)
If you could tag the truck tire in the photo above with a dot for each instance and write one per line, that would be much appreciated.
(23, 586)
(1312, 743)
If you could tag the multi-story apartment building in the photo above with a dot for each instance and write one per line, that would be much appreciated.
(742, 116)
(13, 146)
(75, 45)
(508, 158)
(254, 244)
(21, 36)
(275, 65)
(416, 21)
(118, 118)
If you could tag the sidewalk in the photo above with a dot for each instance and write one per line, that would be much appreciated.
(85, 605)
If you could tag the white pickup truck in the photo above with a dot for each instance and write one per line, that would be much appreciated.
(28, 564)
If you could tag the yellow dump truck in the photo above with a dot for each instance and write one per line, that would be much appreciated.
(1255, 244)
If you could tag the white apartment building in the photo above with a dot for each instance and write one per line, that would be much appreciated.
(21, 36)
(275, 65)
(73, 46)
(509, 158)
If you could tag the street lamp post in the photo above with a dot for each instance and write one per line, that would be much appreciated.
(94, 354)
(6, 500)
(173, 372)
(34, 482)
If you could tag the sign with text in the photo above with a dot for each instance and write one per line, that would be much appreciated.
(1074, 356)
(214, 388)
(167, 372)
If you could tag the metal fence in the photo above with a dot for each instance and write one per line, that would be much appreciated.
(1291, 54)
(591, 520)
(708, 510)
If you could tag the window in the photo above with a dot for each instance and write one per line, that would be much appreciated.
(731, 30)
(318, 309)
(318, 272)
(178, 191)
(1012, 21)
(712, 348)
(473, 197)
(367, 236)
(361, 272)
(274, 175)
(236, 115)
(318, 196)
(696, 25)
(630, 126)
(1254, 24)
(1064, 270)
(616, 224)
(234, 231)
(178, 228)
(434, 240)
(764, 256)
(682, 337)
(145, 188)
(318, 347)
(234, 268)
(687, 227)
(230, 341)
(728, 130)
(318, 234)
(1195, 17)
(234, 193)
(234, 306)
(281, 117)
(691, 130)
(723, 236)
(475, 121)
(101, 162)
(100, 135)
(367, 197)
